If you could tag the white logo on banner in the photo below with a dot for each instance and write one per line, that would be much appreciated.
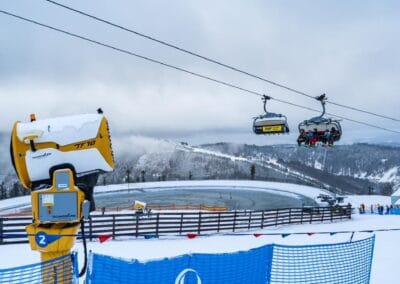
(180, 279)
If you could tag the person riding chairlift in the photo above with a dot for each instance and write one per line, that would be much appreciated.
(327, 136)
(333, 134)
(302, 137)
(309, 138)
(314, 138)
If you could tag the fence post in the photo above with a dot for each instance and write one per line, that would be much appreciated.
(290, 215)
(199, 224)
(181, 225)
(331, 209)
(1, 231)
(262, 220)
(323, 214)
(302, 215)
(249, 220)
(113, 227)
(234, 221)
(137, 225)
(348, 211)
(312, 211)
(219, 221)
(157, 223)
(90, 229)
(276, 217)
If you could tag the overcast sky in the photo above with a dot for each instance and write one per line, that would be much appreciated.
(346, 49)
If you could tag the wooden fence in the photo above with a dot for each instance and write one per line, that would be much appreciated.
(12, 229)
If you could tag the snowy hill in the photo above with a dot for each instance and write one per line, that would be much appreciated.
(344, 169)
(181, 161)
(357, 168)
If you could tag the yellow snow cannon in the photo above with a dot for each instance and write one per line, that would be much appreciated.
(81, 143)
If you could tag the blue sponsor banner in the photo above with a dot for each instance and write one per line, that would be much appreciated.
(106, 269)
(251, 266)
(240, 267)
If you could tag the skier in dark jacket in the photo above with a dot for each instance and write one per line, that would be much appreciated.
(302, 137)
(333, 135)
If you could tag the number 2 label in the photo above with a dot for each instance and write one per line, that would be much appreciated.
(42, 240)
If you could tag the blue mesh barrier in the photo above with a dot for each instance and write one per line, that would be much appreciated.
(207, 268)
(344, 263)
(59, 270)
(332, 263)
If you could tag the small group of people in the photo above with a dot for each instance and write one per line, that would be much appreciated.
(378, 208)
(310, 138)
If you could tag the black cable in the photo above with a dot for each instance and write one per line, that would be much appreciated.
(179, 68)
(338, 116)
(214, 61)
(132, 53)
(83, 270)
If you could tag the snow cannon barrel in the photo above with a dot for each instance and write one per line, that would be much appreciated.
(81, 143)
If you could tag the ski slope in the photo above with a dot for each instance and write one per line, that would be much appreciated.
(270, 163)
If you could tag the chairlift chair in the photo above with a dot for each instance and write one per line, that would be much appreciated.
(270, 123)
(321, 124)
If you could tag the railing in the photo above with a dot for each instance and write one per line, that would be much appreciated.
(12, 229)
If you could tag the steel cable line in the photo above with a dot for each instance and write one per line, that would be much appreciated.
(178, 68)
(215, 61)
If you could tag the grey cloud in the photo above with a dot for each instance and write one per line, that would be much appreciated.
(346, 49)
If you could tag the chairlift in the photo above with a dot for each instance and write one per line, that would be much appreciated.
(323, 129)
(270, 123)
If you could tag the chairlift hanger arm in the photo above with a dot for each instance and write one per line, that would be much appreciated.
(322, 98)
(265, 98)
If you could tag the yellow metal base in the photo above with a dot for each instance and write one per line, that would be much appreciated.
(54, 241)
(45, 256)
(60, 273)
(65, 233)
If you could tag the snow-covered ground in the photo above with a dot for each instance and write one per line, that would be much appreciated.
(15, 204)
(384, 269)
(368, 200)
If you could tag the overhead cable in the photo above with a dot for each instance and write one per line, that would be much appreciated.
(178, 68)
(216, 61)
